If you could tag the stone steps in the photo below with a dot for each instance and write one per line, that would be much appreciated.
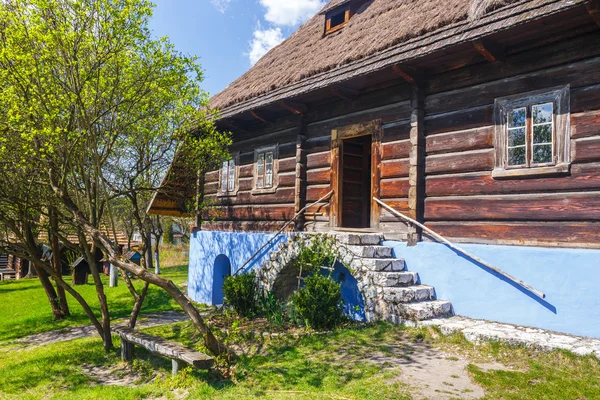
(420, 311)
(390, 291)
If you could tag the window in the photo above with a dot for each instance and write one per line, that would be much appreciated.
(266, 169)
(532, 134)
(337, 18)
(229, 174)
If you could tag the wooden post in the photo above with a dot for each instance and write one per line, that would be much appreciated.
(174, 367)
(300, 192)
(416, 192)
(126, 350)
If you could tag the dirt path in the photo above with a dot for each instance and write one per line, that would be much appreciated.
(433, 373)
(80, 332)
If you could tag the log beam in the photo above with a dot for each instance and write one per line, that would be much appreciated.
(300, 183)
(410, 74)
(593, 8)
(295, 108)
(259, 117)
(492, 51)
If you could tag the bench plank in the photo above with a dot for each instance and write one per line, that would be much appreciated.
(165, 348)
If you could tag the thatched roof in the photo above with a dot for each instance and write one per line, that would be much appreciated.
(310, 59)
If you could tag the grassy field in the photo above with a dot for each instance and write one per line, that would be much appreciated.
(25, 310)
(356, 362)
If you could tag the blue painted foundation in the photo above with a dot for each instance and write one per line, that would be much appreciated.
(213, 254)
(570, 278)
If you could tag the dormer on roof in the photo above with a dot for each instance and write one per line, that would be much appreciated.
(337, 17)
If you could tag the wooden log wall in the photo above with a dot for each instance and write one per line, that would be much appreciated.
(462, 199)
(464, 202)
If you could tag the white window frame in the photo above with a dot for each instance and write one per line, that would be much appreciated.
(561, 135)
(228, 184)
(261, 155)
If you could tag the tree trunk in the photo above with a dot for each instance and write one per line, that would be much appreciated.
(137, 307)
(57, 312)
(148, 251)
(57, 262)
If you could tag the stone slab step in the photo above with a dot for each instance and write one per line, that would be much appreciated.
(408, 294)
(359, 239)
(394, 279)
(372, 251)
(384, 264)
(423, 311)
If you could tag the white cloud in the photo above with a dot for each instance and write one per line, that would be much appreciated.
(290, 12)
(220, 5)
(263, 41)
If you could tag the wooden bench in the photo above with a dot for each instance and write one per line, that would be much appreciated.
(7, 274)
(175, 351)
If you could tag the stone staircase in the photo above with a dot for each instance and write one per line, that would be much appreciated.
(390, 292)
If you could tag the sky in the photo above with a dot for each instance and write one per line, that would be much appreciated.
(229, 36)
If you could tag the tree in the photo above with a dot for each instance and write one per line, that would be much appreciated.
(102, 108)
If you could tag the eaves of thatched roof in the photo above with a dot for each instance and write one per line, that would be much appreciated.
(382, 33)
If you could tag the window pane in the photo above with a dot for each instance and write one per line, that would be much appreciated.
(224, 172)
(516, 137)
(231, 186)
(517, 118)
(269, 170)
(542, 134)
(542, 113)
(516, 156)
(542, 154)
(260, 171)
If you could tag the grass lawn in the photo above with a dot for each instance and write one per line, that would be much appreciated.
(340, 365)
(25, 310)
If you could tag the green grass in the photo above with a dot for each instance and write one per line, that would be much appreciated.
(25, 309)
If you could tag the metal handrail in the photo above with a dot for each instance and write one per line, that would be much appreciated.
(460, 250)
(288, 223)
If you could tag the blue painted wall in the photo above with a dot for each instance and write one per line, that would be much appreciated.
(238, 247)
(570, 278)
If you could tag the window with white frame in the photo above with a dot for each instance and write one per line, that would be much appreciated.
(266, 166)
(532, 133)
(229, 176)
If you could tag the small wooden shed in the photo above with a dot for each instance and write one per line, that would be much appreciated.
(133, 256)
(81, 271)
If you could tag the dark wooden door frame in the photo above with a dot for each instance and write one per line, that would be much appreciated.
(375, 129)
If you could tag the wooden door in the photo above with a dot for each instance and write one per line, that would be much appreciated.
(356, 182)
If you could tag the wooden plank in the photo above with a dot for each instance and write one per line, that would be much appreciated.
(392, 188)
(395, 168)
(251, 213)
(287, 164)
(585, 124)
(314, 193)
(553, 234)
(165, 348)
(585, 99)
(242, 226)
(471, 139)
(376, 166)
(579, 74)
(479, 160)
(398, 130)
(585, 150)
(525, 62)
(288, 179)
(582, 177)
(318, 160)
(394, 150)
(318, 176)
(540, 207)
(463, 119)
(280, 196)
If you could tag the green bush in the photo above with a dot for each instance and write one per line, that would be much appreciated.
(319, 303)
(241, 293)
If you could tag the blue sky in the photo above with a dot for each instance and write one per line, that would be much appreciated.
(229, 35)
